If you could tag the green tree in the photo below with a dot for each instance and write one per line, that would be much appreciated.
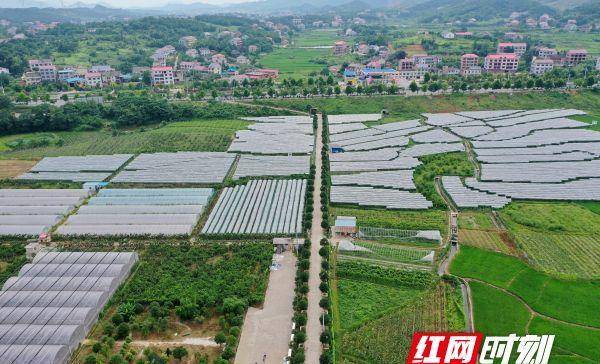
(180, 352)
(413, 87)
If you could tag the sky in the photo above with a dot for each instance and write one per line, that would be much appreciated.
(147, 3)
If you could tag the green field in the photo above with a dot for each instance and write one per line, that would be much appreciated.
(387, 338)
(196, 135)
(490, 303)
(559, 238)
(475, 220)
(484, 239)
(405, 220)
(572, 301)
(302, 62)
(412, 107)
(317, 37)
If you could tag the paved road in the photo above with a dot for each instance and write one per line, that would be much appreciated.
(268, 330)
(313, 327)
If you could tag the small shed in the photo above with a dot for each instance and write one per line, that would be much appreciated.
(336, 149)
(345, 225)
(93, 187)
(285, 244)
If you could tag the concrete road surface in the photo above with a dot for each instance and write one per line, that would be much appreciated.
(268, 330)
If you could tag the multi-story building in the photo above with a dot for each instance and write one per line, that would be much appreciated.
(539, 66)
(517, 48)
(93, 79)
(163, 75)
(340, 48)
(187, 66)
(236, 42)
(508, 62)
(424, 61)
(468, 60)
(406, 64)
(242, 60)
(218, 58)
(471, 71)
(204, 52)
(192, 53)
(65, 74)
(35, 64)
(598, 64)
(215, 68)
(362, 49)
(513, 35)
(252, 48)
(576, 56)
(544, 52)
(32, 78)
(47, 73)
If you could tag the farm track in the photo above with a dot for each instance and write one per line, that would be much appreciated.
(312, 347)
(530, 309)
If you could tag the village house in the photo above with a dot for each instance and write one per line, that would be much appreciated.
(471, 71)
(163, 75)
(510, 47)
(31, 78)
(93, 79)
(215, 68)
(187, 66)
(424, 61)
(576, 56)
(242, 60)
(188, 41)
(406, 64)
(448, 35)
(252, 48)
(236, 42)
(4, 71)
(513, 36)
(463, 34)
(468, 60)
(204, 52)
(35, 64)
(544, 52)
(263, 73)
(340, 48)
(66, 73)
(597, 63)
(539, 66)
(192, 53)
(362, 49)
(508, 62)
(218, 58)
(47, 73)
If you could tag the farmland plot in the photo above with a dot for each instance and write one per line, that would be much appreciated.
(153, 211)
(180, 167)
(389, 253)
(260, 207)
(81, 169)
(30, 212)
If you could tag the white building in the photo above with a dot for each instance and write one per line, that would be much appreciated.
(539, 66)
(163, 75)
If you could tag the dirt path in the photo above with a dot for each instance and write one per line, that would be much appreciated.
(313, 327)
(268, 330)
